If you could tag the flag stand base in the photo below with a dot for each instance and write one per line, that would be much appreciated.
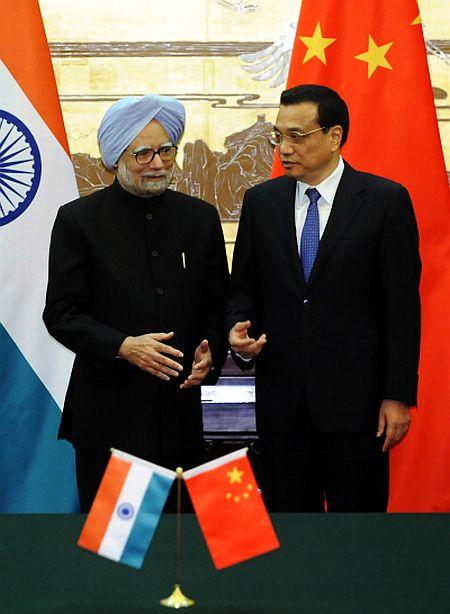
(177, 599)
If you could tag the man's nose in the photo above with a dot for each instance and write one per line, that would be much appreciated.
(285, 147)
(157, 163)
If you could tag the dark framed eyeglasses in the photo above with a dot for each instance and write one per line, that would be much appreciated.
(145, 155)
(293, 138)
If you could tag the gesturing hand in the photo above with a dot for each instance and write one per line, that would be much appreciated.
(242, 344)
(149, 353)
(200, 367)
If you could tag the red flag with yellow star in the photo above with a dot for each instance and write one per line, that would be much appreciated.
(230, 509)
(373, 54)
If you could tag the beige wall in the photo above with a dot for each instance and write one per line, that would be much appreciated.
(188, 20)
(177, 20)
(106, 20)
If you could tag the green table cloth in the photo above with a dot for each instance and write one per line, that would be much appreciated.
(328, 563)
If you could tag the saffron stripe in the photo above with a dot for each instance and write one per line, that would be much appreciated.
(34, 75)
(104, 504)
(146, 521)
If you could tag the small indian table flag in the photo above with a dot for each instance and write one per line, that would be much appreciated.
(230, 509)
(126, 509)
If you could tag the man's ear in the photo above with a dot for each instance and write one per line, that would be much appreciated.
(336, 136)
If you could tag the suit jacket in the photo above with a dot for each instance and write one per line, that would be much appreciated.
(116, 269)
(350, 334)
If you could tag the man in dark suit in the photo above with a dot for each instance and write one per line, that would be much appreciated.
(325, 301)
(137, 281)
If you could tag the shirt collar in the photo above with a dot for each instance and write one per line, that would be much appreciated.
(327, 187)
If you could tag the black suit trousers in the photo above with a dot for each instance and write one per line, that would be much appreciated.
(313, 471)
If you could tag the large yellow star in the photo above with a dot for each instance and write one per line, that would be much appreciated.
(418, 20)
(316, 45)
(375, 56)
(235, 475)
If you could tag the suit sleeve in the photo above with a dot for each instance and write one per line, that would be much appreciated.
(400, 269)
(215, 293)
(243, 297)
(68, 302)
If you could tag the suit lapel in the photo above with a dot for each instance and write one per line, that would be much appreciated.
(285, 211)
(347, 202)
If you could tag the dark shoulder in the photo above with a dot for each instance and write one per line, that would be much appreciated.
(99, 203)
(86, 205)
(272, 186)
(194, 205)
(371, 182)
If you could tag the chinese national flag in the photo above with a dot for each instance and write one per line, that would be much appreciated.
(230, 509)
(373, 54)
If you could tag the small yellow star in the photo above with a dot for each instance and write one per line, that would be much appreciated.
(228, 495)
(249, 486)
(375, 56)
(237, 499)
(246, 495)
(417, 20)
(235, 475)
(316, 45)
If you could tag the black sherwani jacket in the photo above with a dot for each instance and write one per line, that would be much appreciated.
(350, 334)
(116, 269)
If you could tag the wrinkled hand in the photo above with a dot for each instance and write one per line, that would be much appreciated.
(200, 367)
(149, 353)
(395, 419)
(242, 344)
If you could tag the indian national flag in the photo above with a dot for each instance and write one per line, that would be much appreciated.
(126, 509)
(36, 177)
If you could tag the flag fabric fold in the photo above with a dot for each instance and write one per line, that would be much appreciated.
(37, 472)
(230, 509)
(373, 54)
(126, 509)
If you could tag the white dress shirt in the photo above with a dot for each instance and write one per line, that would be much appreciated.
(327, 190)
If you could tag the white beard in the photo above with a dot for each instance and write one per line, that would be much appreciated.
(145, 189)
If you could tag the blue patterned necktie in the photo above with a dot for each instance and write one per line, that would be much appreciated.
(309, 242)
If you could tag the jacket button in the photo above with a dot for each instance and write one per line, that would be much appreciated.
(149, 216)
(154, 253)
(159, 291)
(305, 302)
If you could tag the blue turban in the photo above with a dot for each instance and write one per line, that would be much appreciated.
(127, 117)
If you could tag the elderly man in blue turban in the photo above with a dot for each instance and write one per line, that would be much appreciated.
(137, 282)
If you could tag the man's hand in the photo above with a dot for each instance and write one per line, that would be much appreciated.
(149, 353)
(394, 418)
(242, 344)
(200, 367)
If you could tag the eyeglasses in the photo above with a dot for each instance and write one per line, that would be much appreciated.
(146, 154)
(294, 138)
